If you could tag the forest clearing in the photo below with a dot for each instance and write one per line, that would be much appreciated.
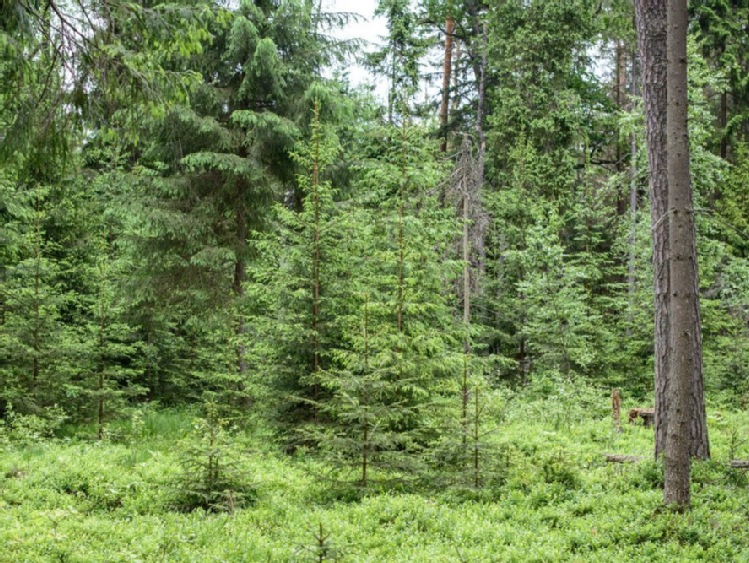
(488, 303)
(546, 494)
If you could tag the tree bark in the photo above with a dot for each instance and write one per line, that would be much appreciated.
(446, 73)
(632, 262)
(240, 268)
(650, 17)
(651, 30)
(682, 259)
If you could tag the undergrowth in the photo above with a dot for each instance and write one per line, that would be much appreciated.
(549, 496)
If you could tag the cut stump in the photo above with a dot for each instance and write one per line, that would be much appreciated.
(647, 416)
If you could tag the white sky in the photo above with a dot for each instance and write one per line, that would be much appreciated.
(370, 29)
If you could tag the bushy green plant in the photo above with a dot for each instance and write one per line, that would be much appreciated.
(557, 469)
(26, 429)
(211, 478)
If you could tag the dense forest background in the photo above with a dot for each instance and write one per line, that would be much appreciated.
(194, 207)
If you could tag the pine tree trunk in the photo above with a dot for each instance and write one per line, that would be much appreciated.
(632, 263)
(100, 365)
(365, 398)
(466, 308)
(682, 260)
(620, 98)
(238, 283)
(651, 31)
(722, 123)
(446, 73)
(316, 257)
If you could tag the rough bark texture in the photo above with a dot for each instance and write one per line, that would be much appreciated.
(447, 70)
(682, 259)
(616, 409)
(651, 30)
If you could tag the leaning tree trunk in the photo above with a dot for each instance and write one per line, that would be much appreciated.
(651, 31)
(682, 263)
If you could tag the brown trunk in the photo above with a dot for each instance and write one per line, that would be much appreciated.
(447, 70)
(682, 263)
(456, 76)
(722, 123)
(36, 336)
(476, 436)
(316, 257)
(632, 263)
(466, 304)
(365, 398)
(100, 368)
(401, 235)
(616, 409)
(651, 31)
(238, 282)
(620, 97)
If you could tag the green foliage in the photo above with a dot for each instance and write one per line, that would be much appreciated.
(87, 501)
(321, 548)
(211, 478)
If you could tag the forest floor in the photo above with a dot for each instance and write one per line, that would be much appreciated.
(548, 495)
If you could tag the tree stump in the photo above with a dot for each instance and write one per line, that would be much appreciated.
(647, 416)
(616, 409)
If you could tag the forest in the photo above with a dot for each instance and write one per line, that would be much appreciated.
(253, 310)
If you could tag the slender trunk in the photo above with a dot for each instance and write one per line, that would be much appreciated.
(401, 234)
(101, 366)
(447, 70)
(240, 268)
(476, 435)
(651, 31)
(722, 123)
(480, 159)
(619, 98)
(632, 262)
(36, 337)
(316, 255)
(365, 398)
(682, 263)
(466, 305)
(455, 94)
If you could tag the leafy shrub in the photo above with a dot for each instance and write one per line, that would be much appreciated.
(558, 470)
(649, 475)
(27, 429)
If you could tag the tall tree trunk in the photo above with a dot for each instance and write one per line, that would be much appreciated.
(722, 123)
(651, 31)
(316, 247)
(365, 398)
(620, 96)
(682, 263)
(632, 263)
(466, 189)
(446, 73)
(238, 281)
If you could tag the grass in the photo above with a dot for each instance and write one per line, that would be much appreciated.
(554, 499)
